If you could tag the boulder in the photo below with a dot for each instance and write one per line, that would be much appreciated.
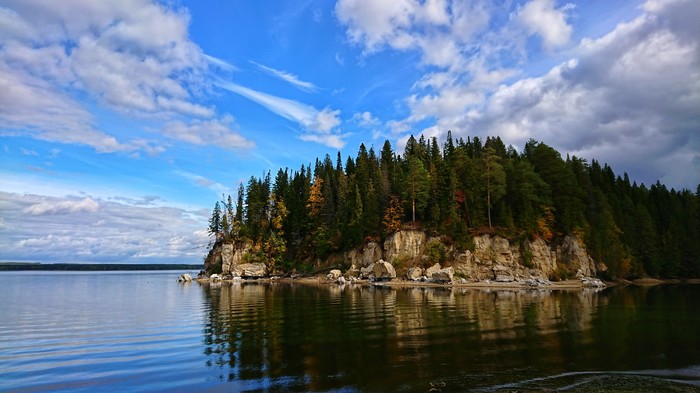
(414, 273)
(432, 270)
(341, 280)
(383, 270)
(334, 274)
(502, 274)
(590, 282)
(184, 278)
(443, 275)
(215, 278)
(250, 270)
(367, 271)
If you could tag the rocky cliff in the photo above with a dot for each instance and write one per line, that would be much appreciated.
(493, 258)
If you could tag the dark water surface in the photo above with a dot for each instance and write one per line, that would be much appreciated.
(142, 331)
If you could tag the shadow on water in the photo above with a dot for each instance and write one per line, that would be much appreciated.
(287, 337)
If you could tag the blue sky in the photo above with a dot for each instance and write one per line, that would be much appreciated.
(122, 122)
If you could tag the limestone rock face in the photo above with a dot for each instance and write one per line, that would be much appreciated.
(404, 245)
(572, 254)
(250, 270)
(496, 249)
(383, 271)
(226, 258)
(502, 274)
(543, 258)
(370, 253)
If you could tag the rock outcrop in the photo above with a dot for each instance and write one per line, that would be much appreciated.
(493, 258)
(541, 256)
(404, 245)
(573, 255)
(249, 270)
(372, 252)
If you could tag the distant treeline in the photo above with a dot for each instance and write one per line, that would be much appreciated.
(463, 188)
(18, 266)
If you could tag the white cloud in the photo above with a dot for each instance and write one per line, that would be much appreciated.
(365, 119)
(629, 99)
(30, 106)
(325, 120)
(319, 125)
(331, 140)
(464, 46)
(87, 205)
(132, 57)
(214, 132)
(95, 230)
(542, 18)
(289, 78)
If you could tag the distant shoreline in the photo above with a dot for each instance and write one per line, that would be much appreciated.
(33, 266)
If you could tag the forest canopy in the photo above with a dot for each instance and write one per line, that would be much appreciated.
(458, 190)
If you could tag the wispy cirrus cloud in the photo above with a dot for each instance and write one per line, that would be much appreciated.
(319, 125)
(289, 78)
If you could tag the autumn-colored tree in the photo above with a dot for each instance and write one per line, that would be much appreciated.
(275, 246)
(545, 223)
(315, 201)
(393, 215)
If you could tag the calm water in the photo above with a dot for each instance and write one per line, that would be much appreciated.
(142, 331)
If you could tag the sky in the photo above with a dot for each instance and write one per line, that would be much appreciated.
(122, 122)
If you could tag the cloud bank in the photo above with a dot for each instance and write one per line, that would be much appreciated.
(97, 230)
(131, 57)
(629, 97)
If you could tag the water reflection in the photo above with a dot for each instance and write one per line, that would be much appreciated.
(276, 336)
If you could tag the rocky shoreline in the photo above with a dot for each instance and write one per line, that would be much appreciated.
(421, 261)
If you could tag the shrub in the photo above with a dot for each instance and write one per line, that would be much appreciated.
(527, 258)
(436, 252)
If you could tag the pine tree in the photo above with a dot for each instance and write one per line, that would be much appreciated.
(215, 220)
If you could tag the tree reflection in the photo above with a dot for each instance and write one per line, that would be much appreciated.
(278, 336)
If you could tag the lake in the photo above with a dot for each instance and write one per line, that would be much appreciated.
(143, 331)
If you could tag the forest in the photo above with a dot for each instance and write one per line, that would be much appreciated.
(464, 188)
